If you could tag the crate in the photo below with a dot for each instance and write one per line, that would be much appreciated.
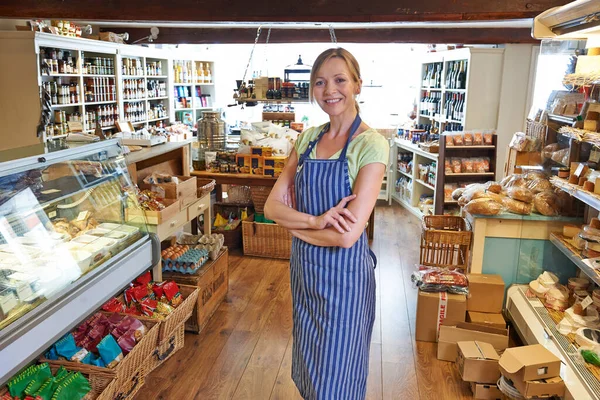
(172, 207)
(537, 130)
(205, 186)
(173, 343)
(517, 159)
(266, 240)
(185, 190)
(128, 368)
(212, 280)
(445, 242)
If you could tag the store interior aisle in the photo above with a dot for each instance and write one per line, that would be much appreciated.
(245, 350)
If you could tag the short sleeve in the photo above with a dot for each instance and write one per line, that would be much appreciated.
(374, 149)
(303, 139)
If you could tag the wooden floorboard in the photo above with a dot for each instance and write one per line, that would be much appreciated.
(245, 351)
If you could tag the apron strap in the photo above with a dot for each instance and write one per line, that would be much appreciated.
(311, 145)
(353, 129)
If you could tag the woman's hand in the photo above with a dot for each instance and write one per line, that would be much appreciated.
(336, 217)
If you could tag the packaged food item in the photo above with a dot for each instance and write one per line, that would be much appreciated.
(488, 138)
(66, 347)
(478, 165)
(468, 139)
(467, 165)
(449, 140)
(535, 175)
(457, 193)
(33, 373)
(557, 298)
(519, 141)
(448, 190)
(447, 166)
(538, 185)
(129, 323)
(547, 203)
(478, 138)
(92, 359)
(458, 140)
(127, 341)
(483, 207)
(456, 165)
(74, 387)
(114, 305)
(561, 156)
(494, 187)
(109, 351)
(172, 293)
(434, 279)
(520, 193)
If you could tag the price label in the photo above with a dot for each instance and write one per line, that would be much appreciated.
(75, 126)
(82, 216)
(595, 155)
(586, 302)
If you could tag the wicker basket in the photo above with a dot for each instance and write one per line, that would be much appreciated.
(125, 390)
(167, 348)
(205, 186)
(266, 240)
(126, 369)
(259, 197)
(101, 387)
(445, 242)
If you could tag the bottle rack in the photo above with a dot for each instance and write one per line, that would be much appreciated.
(193, 88)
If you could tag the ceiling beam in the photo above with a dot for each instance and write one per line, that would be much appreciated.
(393, 35)
(277, 11)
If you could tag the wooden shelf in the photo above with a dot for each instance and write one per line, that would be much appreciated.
(405, 203)
(471, 174)
(470, 147)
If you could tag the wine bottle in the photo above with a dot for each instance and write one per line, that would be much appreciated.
(461, 79)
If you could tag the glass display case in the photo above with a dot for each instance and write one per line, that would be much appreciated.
(65, 232)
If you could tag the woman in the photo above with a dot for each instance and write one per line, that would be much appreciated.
(325, 196)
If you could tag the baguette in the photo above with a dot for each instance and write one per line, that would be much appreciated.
(520, 193)
(483, 206)
(517, 207)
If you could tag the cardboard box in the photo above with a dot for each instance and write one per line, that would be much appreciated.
(433, 309)
(256, 165)
(541, 388)
(486, 293)
(488, 319)
(529, 363)
(185, 190)
(477, 362)
(275, 162)
(452, 332)
(485, 391)
(264, 151)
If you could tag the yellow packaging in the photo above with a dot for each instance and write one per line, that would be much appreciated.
(275, 162)
(244, 163)
(261, 151)
(256, 164)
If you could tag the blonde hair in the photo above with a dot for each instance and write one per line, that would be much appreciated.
(328, 54)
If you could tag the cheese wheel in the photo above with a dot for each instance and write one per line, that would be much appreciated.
(570, 230)
(588, 186)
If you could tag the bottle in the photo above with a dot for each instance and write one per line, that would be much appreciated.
(438, 76)
(201, 76)
(98, 131)
(425, 81)
(207, 74)
(432, 77)
(461, 79)
(184, 78)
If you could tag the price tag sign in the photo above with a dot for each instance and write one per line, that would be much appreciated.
(82, 216)
(586, 302)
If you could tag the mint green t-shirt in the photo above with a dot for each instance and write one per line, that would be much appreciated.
(366, 148)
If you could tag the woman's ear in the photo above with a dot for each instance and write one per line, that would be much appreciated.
(358, 89)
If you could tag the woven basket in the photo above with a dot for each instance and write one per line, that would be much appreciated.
(266, 240)
(125, 390)
(445, 242)
(259, 197)
(205, 186)
(101, 387)
(126, 369)
(166, 350)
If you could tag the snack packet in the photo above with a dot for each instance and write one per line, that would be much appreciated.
(129, 323)
(110, 352)
(127, 341)
(73, 388)
(113, 305)
(66, 347)
(172, 293)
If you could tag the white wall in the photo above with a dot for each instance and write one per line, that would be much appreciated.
(393, 66)
(513, 107)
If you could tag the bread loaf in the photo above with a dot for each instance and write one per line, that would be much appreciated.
(494, 187)
(517, 207)
(533, 175)
(520, 193)
(457, 193)
(483, 206)
(539, 185)
(546, 203)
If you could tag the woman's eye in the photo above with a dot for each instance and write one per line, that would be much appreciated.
(340, 80)
(318, 83)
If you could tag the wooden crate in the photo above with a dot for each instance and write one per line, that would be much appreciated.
(213, 281)
(154, 217)
(516, 159)
(185, 190)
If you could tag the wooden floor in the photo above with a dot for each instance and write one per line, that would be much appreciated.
(245, 350)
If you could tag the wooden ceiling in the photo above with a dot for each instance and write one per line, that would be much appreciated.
(265, 11)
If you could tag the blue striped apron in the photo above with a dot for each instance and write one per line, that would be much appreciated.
(333, 290)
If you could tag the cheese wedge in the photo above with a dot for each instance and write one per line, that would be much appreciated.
(570, 230)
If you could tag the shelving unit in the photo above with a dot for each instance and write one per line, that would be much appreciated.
(483, 74)
(25, 48)
(197, 93)
(443, 178)
(417, 186)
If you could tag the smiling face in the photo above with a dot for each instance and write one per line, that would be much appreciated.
(334, 85)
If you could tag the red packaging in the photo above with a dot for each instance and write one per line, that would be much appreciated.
(172, 293)
(127, 342)
(144, 279)
(132, 310)
(157, 288)
(113, 305)
(148, 306)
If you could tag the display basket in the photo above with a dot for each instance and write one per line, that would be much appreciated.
(259, 197)
(123, 372)
(445, 242)
(167, 348)
(266, 240)
(205, 186)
